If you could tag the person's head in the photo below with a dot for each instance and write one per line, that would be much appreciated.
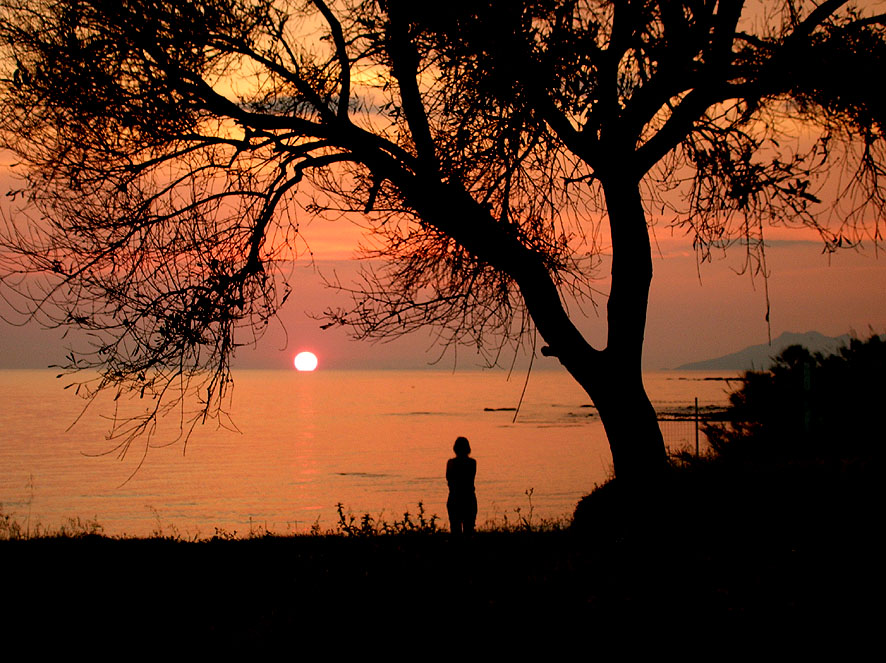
(461, 447)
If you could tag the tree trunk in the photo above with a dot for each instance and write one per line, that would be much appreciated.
(628, 416)
(613, 378)
(629, 419)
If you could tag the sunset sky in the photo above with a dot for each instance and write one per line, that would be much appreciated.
(695, 311)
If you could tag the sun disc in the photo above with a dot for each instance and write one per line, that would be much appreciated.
(305, 361)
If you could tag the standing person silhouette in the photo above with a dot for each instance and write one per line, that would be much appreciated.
(462, 502)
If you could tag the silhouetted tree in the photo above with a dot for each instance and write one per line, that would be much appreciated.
(808, 404)
(171, 147)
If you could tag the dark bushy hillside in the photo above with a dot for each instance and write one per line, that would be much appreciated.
(809, 405)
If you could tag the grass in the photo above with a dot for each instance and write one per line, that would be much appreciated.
(72, 528)
(749, 548)
(348, 525)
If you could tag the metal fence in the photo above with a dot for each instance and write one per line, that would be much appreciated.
(683, 435)
(682, 430)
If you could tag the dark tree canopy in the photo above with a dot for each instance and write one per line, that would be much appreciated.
(494, 149)
(808, 405)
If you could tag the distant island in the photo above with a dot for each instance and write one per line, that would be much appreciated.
(759, 357)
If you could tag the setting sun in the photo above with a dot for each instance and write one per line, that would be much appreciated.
(305, 361)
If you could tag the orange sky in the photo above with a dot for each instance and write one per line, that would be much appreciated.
(695, 312)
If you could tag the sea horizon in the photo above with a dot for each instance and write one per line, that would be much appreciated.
(298, 444)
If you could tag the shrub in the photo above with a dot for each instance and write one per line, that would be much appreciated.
(367, 525)
(808, 404)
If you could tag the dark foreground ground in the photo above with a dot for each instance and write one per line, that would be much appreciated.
(791, 553)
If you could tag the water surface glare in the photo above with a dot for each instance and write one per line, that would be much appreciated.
(375, 441)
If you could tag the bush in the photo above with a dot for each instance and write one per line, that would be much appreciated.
(366, 525)
(808, 404)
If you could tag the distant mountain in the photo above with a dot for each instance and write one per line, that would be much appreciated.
(759, 357)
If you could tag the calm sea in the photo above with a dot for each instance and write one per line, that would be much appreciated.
(375, 441)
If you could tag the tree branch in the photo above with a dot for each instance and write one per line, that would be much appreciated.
(342, 54)
(404, 66)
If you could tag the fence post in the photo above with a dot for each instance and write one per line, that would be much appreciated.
(696, 426)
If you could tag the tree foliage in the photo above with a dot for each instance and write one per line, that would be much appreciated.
(808, 404)
(493, 150)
